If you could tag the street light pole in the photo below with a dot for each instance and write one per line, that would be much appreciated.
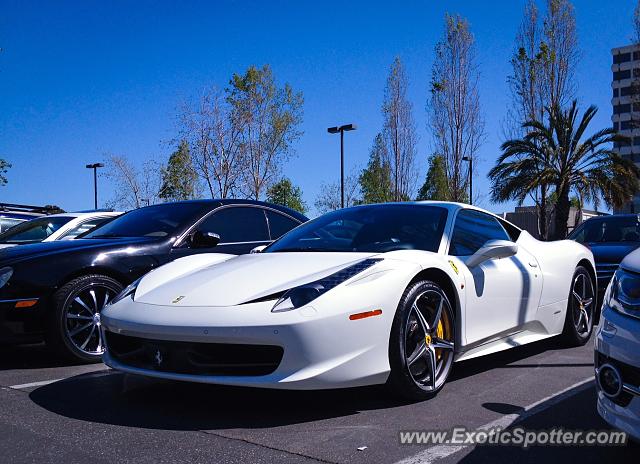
(470, 161)
(95, 167)
(335, 130)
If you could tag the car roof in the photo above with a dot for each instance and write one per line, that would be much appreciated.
(236, 201)
(450, 206)
(84, 214)
(614, 216)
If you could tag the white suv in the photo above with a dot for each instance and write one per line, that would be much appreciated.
(617, 349)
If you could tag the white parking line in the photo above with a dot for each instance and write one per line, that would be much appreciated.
(42, 383)
(437, 452)
(33, 384)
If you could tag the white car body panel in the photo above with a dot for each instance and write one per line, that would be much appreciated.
(499, 304)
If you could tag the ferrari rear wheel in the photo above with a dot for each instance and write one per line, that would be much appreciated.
(581, 309)
(422, 342)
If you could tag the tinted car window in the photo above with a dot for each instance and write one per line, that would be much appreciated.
(8, 223)
(620, 229)
(237, 224)
(473, 229)
(83, 227)
(151, 221)
(376, 228)
(279, 224)
(35, 230)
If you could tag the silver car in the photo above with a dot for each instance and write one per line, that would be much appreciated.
(617, 349)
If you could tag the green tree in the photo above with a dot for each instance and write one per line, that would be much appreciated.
(435, 186)
(557, 154)
(178, 176)
(375, 180)
(285, 193)
(4, 168)
(268, 118)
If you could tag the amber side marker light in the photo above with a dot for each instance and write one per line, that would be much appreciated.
(26, 303)
(355, 317)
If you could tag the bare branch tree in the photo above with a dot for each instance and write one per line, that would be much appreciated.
(399, 131)
(526, 80)
(560, 55)
(132, 187)
(268, 118)
(455, 119)
(329, 197)
(214, 137)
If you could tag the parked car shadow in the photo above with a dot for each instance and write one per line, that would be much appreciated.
(139, 402)
(35, 356)
(570, 414)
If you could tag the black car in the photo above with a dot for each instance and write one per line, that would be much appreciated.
(610, 238)
(55, 290)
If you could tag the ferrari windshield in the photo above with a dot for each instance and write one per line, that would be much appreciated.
(373, 228)
(35, 230)
(151, 221)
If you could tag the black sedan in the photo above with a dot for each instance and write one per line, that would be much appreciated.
(55, 290)
(610, 239)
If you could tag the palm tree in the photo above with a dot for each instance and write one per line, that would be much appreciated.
(558, 155)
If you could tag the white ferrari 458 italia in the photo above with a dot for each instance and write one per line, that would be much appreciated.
(375, 294)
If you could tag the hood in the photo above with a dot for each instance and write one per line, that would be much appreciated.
(36, 250)
(612, 252)
(239, 279)
(632, 262)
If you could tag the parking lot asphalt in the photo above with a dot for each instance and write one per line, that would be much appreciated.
(51, 412)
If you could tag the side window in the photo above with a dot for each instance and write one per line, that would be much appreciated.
(82, 228)
(279, 224)
(237, 224)
(472, 230)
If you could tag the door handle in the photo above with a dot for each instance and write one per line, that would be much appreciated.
(533, 264)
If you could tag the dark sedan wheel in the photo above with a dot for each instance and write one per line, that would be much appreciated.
(74, 330)
(422, 342)
(580, 309)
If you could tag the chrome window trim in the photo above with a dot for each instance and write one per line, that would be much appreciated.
(455, 220)
(180, 240)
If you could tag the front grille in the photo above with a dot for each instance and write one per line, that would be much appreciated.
(630, 375)
(223, 359)
(605, 272)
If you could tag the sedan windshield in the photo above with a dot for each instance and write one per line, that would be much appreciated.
(35, 230)
(152, 221)
(374, 228)
(613, 229)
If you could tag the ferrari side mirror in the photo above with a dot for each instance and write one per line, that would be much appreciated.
(258, 249)
(493, 249)
(204, 239)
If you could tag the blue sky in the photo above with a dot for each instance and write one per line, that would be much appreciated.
(79, 79)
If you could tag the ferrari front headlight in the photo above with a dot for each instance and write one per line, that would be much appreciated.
(305, 294)
(129, 290)
(5, 275)
(624, 293)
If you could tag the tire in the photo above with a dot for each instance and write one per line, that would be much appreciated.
(581, 309)
(412, 376)
(73, 328)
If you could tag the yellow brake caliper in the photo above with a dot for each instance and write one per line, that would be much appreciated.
(440, 335)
